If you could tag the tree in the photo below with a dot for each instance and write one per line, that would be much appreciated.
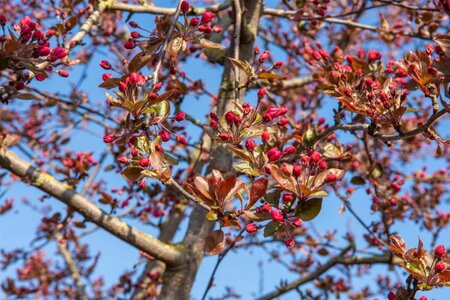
(318, 100)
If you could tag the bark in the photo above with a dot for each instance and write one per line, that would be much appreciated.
(87, 209)
(178, 280)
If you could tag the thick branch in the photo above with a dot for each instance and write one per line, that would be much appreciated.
(90, 211)
(87, 26)
(336, 260)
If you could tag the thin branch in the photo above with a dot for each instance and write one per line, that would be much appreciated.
(219, 260)
(336, 260)
(385, 138)
(94, 173)
(349, 23)
(186, 194)
(152, 9)
(166, 42)
(89, 210)
(237, 42)
(71, 266)
(87, 26)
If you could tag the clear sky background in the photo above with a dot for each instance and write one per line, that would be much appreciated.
(240, 270)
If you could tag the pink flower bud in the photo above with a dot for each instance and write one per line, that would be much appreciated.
(144, 162)
(274, 154)
(297, 222)
(296, 171)
(277, 65)
(277, 215)
(250, 145)
(251, 228)
(62, 73)
(261, 93)
(440, 266)
(229, 117)
(109, 138)
(180, 116)
(288, 197)
(207, 17)
(440, 251)
(135, 35)
(194, 22)
(107, 76)
(157, 87)
(314, 156)
(289, 242)
(264, 56)
(289, 150)
(330, 178)
(181, 140)
(165, 135)
(123, 160)
(224, 136)
(105, 65)
(184, 7)
(133, 24)
(265, 137)
(373, 56)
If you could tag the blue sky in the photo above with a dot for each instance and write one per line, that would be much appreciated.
(240, 270)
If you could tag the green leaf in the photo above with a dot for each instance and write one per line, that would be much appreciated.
(244, 167)
(357, 180)
(211, 216)
(172, 160)
(309, 210)
(273, 197)
(309, 136)
(271, 228)
(142, 144)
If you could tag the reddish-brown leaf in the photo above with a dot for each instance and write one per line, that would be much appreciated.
(257, 191)
(215, 242)
(287, 183)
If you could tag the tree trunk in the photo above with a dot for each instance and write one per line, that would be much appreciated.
(178, 280)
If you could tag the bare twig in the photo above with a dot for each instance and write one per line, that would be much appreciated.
(152, 9)
(219, 260)
(186, 194)
(237, 43)
(87, 26)
(166, 42)
(71, 266)
(336, 260)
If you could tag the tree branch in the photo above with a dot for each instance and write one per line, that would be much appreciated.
(90, 211)
(71, 266)
(336, 260)
(152, 9)
(86, 27)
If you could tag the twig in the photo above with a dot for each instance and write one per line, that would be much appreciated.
(71, 265)
(219, 260)
(166, 42)
(96, 170)
(237, 43)
(186, 194)
(86, 27)
(336, 260)
(152, 9)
